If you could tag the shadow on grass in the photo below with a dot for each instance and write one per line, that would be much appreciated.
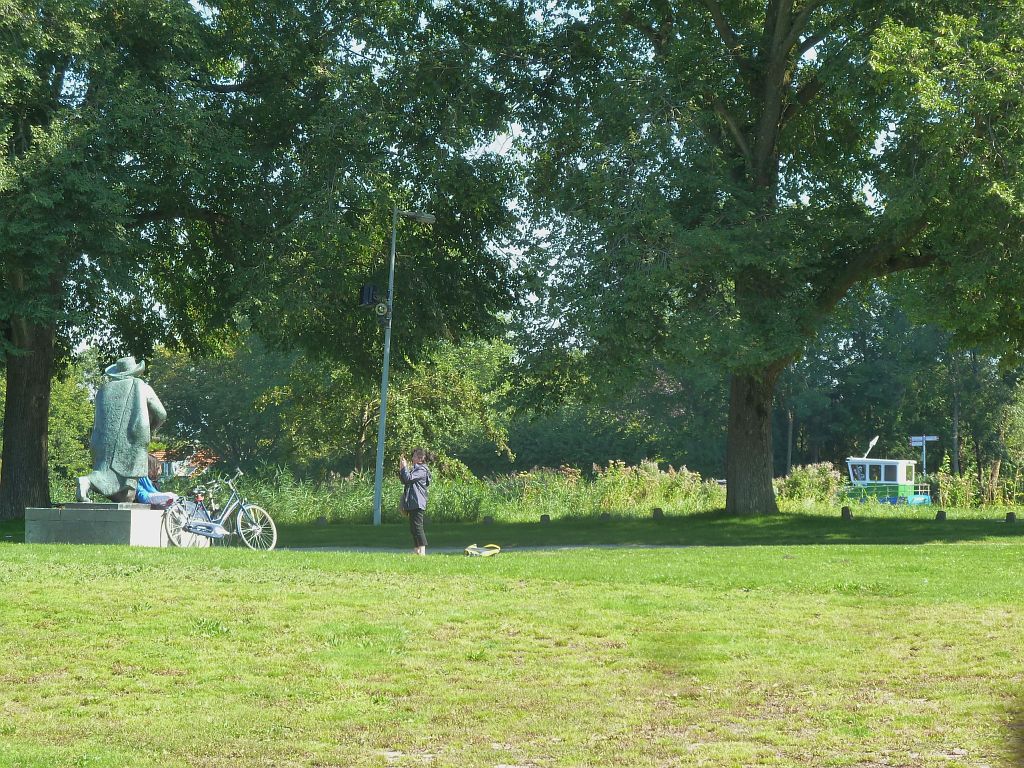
(710, 529)
(707, 529)
(716, 529)
(12, 531)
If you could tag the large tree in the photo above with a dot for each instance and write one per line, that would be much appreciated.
(99, 120)
(173, 167)
(713, 177)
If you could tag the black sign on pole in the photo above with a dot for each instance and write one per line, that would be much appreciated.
(368, 295)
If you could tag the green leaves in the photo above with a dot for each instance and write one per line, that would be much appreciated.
(252, 406)
(712, 179)
(235, 161)
(697, 208)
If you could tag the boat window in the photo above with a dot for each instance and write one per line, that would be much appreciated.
(890, 473)
(875, 472)
(857, 473)
(908, 473)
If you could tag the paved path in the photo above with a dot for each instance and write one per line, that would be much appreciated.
(459, 550)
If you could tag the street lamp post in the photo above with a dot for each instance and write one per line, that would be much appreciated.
(378, 480)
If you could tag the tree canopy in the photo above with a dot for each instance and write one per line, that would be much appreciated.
(696, 188)
(713, 178)
(173, 168)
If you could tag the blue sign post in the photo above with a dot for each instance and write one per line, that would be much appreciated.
(922, 442)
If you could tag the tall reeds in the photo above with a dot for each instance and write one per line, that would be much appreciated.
(617, 489)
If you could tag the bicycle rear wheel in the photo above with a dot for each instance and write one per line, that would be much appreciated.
(175, 517)
(256, 527)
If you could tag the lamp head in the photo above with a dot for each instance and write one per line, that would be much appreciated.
(423, 218)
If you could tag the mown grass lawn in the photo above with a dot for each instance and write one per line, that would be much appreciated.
(748, 655)
(706, 529)
(806, 523)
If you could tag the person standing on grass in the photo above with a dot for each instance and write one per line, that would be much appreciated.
(416, 480)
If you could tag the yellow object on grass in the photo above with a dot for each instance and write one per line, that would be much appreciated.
(485, 551)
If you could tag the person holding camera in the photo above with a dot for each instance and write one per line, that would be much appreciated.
(416, 479)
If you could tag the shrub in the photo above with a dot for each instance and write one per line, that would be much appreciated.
(521, 497)
(636, 489)
(955, 491)
(1012, 491)
(813, 482)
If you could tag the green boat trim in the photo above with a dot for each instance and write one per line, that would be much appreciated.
(890, 481)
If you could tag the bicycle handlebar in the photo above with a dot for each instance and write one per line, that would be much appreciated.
(217, 482)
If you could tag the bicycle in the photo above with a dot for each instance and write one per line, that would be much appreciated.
(253, 523)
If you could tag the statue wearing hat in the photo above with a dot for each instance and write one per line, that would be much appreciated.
(127, 413)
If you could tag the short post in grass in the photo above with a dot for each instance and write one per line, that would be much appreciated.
(1011, 517)
(488, 520)
(846, 513)
(545, 518)
(940, 515)
(605, 517)
(658, 513)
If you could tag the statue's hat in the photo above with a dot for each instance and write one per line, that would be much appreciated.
(125, 367)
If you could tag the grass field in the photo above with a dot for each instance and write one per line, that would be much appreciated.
(804, 524)
(809, 653)
(702, 529)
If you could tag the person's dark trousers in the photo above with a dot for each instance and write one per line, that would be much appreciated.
(419, 538)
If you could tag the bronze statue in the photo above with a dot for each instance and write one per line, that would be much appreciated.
(127, 413)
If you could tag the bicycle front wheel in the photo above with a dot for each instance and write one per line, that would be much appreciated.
(256, 527)
(175, 517)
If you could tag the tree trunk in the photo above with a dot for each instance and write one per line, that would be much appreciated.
(789, 440)
(975, 437)
(361, 437)
(977, 460)
(748, 452)
(955, 458)
(24, 472)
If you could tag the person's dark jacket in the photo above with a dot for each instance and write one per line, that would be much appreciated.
(416, 479)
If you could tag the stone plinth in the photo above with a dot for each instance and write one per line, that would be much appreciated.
(139, 525)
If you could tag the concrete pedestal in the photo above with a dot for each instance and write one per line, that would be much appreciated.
(139, 525)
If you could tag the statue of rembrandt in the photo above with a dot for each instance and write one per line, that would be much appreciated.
(127, 413)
